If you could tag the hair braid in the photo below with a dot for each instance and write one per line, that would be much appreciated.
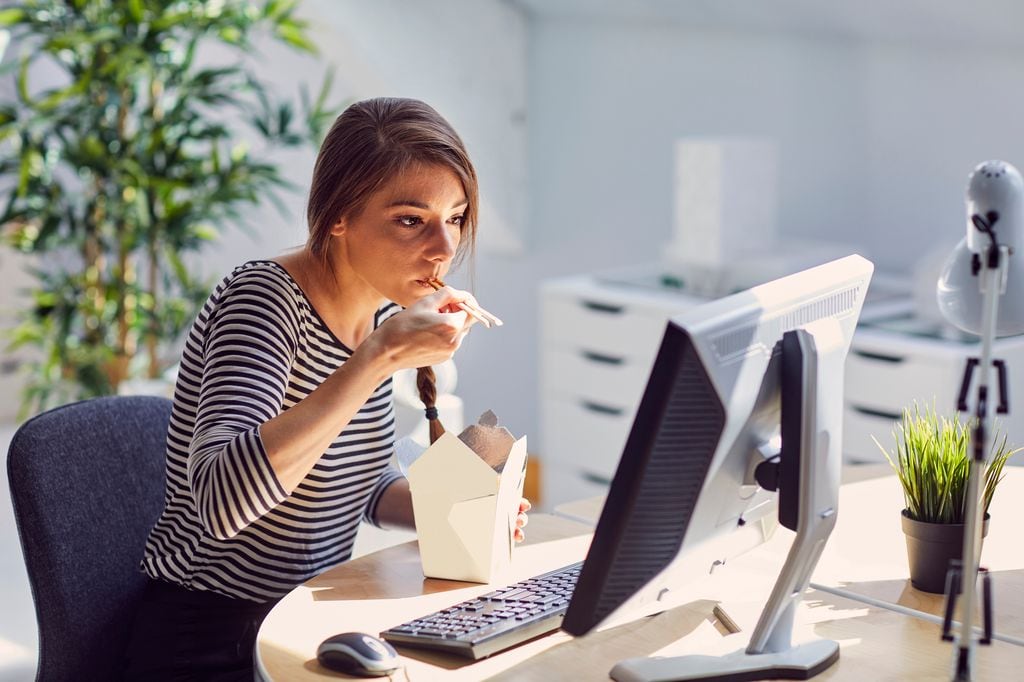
(426, 384)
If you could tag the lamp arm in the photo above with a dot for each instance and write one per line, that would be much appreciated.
(992, 280)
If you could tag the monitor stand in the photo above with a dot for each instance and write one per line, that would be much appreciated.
(819, 354)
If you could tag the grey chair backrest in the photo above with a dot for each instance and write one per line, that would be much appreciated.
(87, 484)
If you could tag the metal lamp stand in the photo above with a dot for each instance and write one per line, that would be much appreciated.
(962, 578)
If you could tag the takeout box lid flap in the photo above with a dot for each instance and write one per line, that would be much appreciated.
(514, 471)
(452, 466)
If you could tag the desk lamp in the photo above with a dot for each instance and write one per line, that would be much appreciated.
(981, 291)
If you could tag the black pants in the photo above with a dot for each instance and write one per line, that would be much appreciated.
(182, 634)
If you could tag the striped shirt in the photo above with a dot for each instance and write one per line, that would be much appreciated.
(257, 348)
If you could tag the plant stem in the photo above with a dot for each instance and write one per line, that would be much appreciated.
(125, 278)
(152, 329)
(156, 89)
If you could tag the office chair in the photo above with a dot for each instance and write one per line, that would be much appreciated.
(87, 484)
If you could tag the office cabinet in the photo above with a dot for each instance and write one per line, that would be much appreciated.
(897, 359)
(598, 342)
(599, 339)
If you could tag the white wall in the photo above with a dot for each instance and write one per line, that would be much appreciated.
(931, 115)
(876, 140)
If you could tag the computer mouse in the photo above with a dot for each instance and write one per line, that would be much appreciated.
(356, 653)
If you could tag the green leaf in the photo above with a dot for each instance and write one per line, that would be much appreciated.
(291, 32)
(172, 18)
(231, 35)
(24, 174)
(239, 151)
(275, 9)
(135, 10)
(205, 232)
(54, 98)
(284, 117)
(9, 17)
(22, 81)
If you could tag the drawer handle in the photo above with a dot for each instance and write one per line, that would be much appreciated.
(595, 478)
(606, 359)
(895, 416)
(603, 307)
(602, 409)
(881, 357)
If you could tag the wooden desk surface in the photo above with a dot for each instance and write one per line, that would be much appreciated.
(381, 590)
(378, 591)
(866, 554)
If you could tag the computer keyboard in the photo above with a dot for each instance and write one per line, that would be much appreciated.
(496, 621)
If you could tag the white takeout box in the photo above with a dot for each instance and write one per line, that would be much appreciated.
(466, 511)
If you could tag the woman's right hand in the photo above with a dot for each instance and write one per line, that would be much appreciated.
(426, 333)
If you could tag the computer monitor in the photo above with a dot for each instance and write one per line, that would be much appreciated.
(733, 380)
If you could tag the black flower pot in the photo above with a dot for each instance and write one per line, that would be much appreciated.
(930, 548)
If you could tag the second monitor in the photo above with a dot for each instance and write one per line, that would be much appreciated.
(704, 454)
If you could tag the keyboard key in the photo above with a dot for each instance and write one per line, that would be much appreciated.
(403, 629)
(516, 594)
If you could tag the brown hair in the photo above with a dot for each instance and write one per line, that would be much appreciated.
(370, 142)
(375, 140)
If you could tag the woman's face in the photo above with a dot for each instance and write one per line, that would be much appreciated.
(407, 233)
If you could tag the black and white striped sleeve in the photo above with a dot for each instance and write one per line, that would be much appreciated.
(390, 475)
(249, 345)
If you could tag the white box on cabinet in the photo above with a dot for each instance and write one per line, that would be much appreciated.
(726, 196)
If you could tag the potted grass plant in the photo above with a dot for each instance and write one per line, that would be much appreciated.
(931, 460)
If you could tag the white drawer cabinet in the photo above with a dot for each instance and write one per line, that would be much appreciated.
(598, 343)
(884, 376)
(888, 370)
(609, 326)
(593, 444)
(599, 378)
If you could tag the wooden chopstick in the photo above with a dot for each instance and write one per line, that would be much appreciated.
(465, 306)
(476, 312)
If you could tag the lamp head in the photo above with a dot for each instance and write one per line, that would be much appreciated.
(995, 206)
(995, 216)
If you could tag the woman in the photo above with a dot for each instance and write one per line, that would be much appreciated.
(282, 425)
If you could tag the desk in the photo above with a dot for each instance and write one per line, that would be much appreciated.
(378, 591)
(866, 555)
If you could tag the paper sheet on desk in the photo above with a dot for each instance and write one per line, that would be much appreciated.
(465, 510)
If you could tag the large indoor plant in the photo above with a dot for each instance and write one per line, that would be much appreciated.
(138, 155)
(930, 458)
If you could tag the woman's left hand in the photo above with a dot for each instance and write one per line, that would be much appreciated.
(522, 519)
